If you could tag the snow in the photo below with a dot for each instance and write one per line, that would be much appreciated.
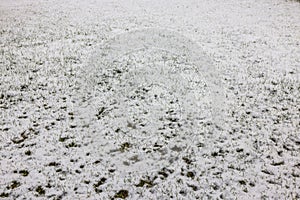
(150, 99)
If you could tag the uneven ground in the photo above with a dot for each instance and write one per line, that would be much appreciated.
(82, 122)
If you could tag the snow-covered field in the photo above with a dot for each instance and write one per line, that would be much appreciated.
(150, 99)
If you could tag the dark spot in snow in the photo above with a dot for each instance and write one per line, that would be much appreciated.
(28, 153)
(14, 184)
(24, 172)
(100, 182)
(63, 139)
(72, 145)
(125, 146)
(97, 161)
(73, 126)
(123, 194)
(214, 154)
(146, 183)
(277, 163)
(53, 164)
(164, 174)
(97, 190)
(187, 160)
(296, 175)
(176, 148)
(252, 184)
(194, 187)
(267, 172)
(190, 174)
(40, 190)
(4, 195)
(242, 182)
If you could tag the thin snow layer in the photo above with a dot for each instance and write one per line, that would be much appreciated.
(150, 99)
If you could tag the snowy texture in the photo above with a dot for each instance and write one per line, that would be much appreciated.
(150, 99)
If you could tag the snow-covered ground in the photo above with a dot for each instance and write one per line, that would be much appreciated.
(150, 99)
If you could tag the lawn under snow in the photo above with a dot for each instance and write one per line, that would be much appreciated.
(150, 99)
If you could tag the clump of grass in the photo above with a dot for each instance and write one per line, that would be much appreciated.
(40, 190)
(4, 195)
(53, 164)
(146, 183)
(72, 144)
(14, 184)
(63, 139)
(97, 190)
(28, 153)
(242, 182)
(123, 194)
(100, 182)
(24, 172)
(190, 174)
(187, 160)
(125, 146)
